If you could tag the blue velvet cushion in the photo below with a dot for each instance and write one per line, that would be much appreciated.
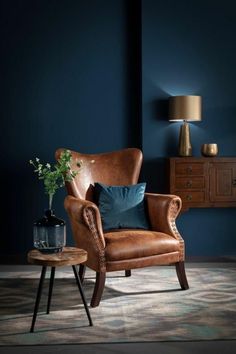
(121, 206)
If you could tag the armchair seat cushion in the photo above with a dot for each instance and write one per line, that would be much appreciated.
(129, 244)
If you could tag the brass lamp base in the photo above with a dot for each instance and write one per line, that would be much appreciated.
(185, 148)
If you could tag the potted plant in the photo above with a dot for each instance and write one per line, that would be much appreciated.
(50, 231)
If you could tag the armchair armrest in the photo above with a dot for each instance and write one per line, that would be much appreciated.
(163, 210)
(87, 230)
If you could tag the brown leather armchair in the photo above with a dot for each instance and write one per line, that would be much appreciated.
(121, 249)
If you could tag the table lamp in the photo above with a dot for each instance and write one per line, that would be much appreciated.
(186, 109)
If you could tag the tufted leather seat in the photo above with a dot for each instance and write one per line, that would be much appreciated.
(121, 249)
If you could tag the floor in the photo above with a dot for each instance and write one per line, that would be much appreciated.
(202, 347)
(213, 347)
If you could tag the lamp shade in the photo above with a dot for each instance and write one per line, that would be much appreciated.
(186, 108)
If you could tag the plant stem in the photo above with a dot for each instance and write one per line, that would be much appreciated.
(50, 201)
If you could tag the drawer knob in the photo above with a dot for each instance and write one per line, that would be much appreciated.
(190, 169)
(189, 184)
(234, 182)
(189, 197)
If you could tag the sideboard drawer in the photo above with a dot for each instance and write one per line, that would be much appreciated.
(192, 196)
(203, 182)
(190, 182)
(185, 168)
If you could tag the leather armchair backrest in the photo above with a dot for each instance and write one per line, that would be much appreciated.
(111, 168)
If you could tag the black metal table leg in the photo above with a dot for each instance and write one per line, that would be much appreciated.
(40, 287)
(82, 295)
(128, 273)
(82, 269)
(50, 288)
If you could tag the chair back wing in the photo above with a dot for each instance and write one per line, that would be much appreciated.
(111, 168)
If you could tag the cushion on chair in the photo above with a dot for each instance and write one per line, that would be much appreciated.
(121, 206)
(134, 244)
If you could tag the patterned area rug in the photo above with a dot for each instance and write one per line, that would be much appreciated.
(148, 306)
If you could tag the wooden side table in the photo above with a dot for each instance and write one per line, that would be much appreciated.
(69, 256)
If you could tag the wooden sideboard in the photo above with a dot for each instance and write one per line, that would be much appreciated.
(203, 182)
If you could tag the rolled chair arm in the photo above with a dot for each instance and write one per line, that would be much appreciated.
(163, 210)
(87, 230)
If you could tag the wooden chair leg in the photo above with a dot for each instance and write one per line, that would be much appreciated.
(98, 289)
(180, 270)
(128, 273)
(82, 269)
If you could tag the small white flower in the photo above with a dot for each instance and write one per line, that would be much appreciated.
(48, 165)
(37, 159)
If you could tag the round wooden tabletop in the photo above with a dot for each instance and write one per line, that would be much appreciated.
(68, 256)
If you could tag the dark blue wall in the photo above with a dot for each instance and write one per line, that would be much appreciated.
(189, 48)
(67, 80)
(71, 76)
